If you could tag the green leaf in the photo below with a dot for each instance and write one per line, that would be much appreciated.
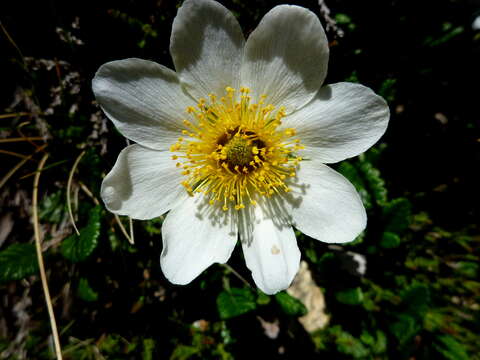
(262, 298)
(184, 352)
(388, 89)
(85, 292)
(404, 328)
(390, 240)
(18, 261)
(347, 344)
(467, 268)
(352, 296)
(450, 348)
(148, 348)
(397, 213)
(348, 170)
(416, 300)
(290, 305)
(77, 248)
(52, 208)
(235, 302)
(374, 182)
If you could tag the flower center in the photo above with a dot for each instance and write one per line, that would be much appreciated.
(239, 151)
(236, 152)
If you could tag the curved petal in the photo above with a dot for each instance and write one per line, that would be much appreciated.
(206, 47)
(343, 120)
(194, 237)
(327, 206)
(143, 99)
(142, 184)
(271, 253)
(286, 57)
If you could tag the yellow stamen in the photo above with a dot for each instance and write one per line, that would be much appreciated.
(234, 153)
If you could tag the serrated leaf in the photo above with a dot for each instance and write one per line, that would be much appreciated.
(18, 261)
(450, 348)
(352, 296)
(397, 213)
(85, 292)
(77, 248)
(235, 302)
(290, 305)
(374, 182)
(348, 170)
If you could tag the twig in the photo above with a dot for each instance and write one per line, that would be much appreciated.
(41, 266)
(18, 166)
(69, 185)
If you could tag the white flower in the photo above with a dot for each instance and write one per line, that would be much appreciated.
(234, 142)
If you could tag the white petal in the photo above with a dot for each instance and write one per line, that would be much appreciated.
(206, 46)
(286, 57)
(343, 120)
(194, 237)
(143, 99)
(327, 207)
(143, 183)
(271, 252)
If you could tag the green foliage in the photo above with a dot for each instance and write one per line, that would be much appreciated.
(234, 302)
(397, 215)
(184, 352)
(17, 262)
(348, 344)
(390, 240)
(450, 348)
(148, 348)
(367, 180)
(290, 305)
(52, 208)
(77, 248)
(85, 292)
(350, 296)
(387, 89)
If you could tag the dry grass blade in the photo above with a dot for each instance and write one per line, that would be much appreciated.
(69, 186)
(124, 231)
(22, 162)
(18, 139)
(132, 237)
(41, 265)
(6, 152)
(7, 35)
(87, 191)
(12, 115)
